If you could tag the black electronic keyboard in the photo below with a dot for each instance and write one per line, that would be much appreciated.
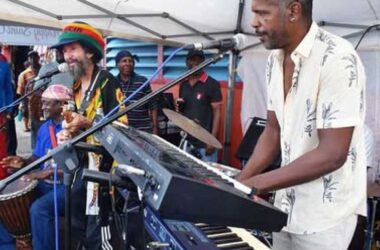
(181, 187)
(182, 235)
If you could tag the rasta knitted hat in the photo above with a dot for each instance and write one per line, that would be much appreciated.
(83, 33)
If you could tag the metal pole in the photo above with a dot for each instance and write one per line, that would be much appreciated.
(229, 106)
(68, 180)
(230, 91)
(370, 230)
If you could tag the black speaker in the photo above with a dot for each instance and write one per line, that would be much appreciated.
(250, 139)
(166, 100)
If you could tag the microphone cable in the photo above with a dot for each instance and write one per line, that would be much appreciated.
(377, 26)
(46, 79)
(19, 100)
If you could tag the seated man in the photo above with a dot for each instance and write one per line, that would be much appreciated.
(42, 209)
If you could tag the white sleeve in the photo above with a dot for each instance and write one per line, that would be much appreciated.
(369, 142)
(341, 99)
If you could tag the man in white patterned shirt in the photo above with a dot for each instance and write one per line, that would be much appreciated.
(316, 106)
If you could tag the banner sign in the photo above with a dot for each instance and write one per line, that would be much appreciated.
(23, 35)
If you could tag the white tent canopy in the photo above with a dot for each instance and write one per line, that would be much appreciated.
(178, 20)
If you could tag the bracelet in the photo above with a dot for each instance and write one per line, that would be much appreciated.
(253, 192)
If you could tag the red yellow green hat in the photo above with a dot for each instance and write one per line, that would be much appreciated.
(83, 33)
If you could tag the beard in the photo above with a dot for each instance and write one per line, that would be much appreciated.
(79, 69)
(273, 40)
(271, 44)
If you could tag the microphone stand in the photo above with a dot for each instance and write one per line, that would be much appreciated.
(65, 155)
(20, 99)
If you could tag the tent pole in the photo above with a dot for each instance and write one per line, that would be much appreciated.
(230, 91)
(240, 16)
(229, 106)
(342, 25)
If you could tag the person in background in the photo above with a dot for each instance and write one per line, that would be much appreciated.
(26, 64)
(34, 104)
(144, 117)
(200, 100)
(6, 98)
(321, 183)
(11, 125)
(42, 209)
(24, 78)
(359, 238)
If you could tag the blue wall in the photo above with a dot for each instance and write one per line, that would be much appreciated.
(147, 53)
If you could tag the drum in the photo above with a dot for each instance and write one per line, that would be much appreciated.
(15, 201)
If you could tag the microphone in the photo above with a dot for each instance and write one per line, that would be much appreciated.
(60, 68)
(235, 42)
(131, 170)
(103, 178)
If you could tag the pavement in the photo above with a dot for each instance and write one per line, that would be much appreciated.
(24, 148)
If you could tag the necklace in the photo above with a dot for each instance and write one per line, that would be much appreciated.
(82, 93)
(125, 86)
(83, 90)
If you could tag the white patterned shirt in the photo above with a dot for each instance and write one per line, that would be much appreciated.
(327, 91)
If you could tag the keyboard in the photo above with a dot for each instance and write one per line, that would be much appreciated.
(182, 235)
(179, 186)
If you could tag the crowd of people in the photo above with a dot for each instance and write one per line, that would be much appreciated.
(315, 119)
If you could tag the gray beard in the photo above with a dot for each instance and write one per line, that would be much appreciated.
(80, 70)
